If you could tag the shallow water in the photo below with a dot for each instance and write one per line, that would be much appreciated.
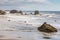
(14, 27)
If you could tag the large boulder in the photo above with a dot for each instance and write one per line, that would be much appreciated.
(36, 12)
(13, 11)
(20, 12)
(47, 28)
(2, 12)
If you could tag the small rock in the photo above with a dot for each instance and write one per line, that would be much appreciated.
(19, 37)
(9, 20)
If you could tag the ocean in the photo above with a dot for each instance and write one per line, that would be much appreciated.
(24, 27)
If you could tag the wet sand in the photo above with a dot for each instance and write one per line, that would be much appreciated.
(23, 30)
(9, 30)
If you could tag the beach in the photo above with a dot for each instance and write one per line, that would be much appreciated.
(24, 27)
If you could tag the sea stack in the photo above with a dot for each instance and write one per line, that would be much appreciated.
(47, 28)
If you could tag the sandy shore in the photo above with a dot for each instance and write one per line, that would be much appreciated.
(24, 27)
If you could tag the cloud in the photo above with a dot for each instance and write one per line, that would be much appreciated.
(16, 1)
(37, 0)
(24, 4)
(9, 1)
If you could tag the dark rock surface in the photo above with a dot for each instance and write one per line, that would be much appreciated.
(2, 12)
(47, 28)
(36, 12)
(20, 12)
(13, 11)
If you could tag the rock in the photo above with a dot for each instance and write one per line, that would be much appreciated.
(2, 12)
(47, 28)
(20, 12)
(36, 12)
(13, 11)
(9, 20)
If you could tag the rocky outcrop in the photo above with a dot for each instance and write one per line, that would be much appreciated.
(47, 28)
(13, 11)
(2, 12)
(20, 12)
(36, 12)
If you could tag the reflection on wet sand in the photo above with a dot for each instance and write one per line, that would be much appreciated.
(49, 35)
(46, 37)
(8, 39)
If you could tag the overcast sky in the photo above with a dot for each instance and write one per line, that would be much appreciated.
(42, 5)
